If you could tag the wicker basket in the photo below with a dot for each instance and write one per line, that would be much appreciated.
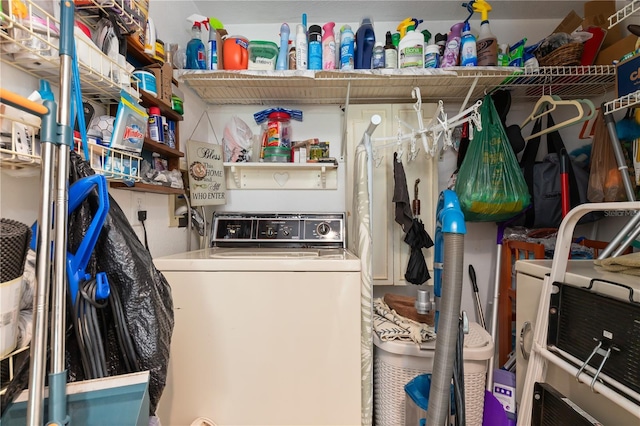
(396, 363)
(569, 54)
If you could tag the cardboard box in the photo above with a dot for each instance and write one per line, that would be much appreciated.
(569, 24)
(221, 35)
(597, 13)
(164, 75)
(616, 51)
(628, 76)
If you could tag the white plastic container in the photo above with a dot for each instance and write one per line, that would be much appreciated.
(146, 81)
(10, 293)
(39, 43)
(411, 50)
(396, 363)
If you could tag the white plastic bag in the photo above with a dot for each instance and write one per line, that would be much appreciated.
(237, 141)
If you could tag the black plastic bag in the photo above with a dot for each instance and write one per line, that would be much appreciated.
(145, 293)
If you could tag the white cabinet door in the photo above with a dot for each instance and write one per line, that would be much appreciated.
(390, 252)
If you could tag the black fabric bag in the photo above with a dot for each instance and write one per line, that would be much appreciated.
(543, 181)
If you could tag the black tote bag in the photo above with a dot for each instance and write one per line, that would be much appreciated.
(543, 181)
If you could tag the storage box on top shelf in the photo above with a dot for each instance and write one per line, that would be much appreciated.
(617, 50)
(596, 14)
(628, 76)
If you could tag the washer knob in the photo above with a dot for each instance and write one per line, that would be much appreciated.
(323, 229)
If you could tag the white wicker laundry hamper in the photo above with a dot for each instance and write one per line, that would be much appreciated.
(396, 363)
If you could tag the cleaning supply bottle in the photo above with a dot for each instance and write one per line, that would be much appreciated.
(196, 56)
(390, 52)
(346, 48)
(427, 36)
(301, 47)
(377, 61)
(150, 38)
(432, 56)
(487, 44)
(282, 62)
(468, 55)
(292, 52)
(441, 41)
(411, 47)
(328, 47)
(365, 41)
(315, 47)
(452, 49)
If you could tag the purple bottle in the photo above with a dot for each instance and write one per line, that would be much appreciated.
(452, 49)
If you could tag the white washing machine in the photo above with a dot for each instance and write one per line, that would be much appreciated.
(267, 324)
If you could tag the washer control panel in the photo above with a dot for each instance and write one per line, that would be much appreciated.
(278, 229)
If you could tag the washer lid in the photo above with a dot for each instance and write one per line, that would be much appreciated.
(260, 259)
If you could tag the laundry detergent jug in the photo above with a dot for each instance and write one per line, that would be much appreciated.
(235, 53)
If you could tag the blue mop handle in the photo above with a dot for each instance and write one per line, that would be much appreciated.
(76, 104)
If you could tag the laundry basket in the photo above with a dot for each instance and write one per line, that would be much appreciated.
(397, 363)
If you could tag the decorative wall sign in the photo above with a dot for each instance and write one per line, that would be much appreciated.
(206, 174)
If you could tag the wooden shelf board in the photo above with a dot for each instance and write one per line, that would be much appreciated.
(146, 187)
(162, 149)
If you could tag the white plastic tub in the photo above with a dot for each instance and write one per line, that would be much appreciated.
(10, 293)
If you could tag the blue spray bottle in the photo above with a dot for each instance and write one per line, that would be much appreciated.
(468, 52)
(196, 54)
(282, 62)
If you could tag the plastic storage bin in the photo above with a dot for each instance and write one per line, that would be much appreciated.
(396, 363)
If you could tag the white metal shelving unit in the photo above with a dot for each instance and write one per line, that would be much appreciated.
(394, 86)
(33, 48)
(30, 48)
(454, 85)
(631, 99)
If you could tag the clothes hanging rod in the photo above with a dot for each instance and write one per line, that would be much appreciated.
(373, 124)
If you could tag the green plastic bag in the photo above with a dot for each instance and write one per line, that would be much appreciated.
(490, 184)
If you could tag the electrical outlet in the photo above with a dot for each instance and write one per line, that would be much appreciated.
(138, 202)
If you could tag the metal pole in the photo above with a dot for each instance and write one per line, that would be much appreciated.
(617, 150)
(41, 297)
(630, 226)
(58, 374)
(494, 312)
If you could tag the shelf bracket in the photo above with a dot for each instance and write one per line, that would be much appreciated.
(345, 114)
(471, 89)
(236, 176)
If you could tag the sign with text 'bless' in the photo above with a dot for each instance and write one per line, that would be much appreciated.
(206, 174)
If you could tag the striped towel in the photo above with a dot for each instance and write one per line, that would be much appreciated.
(391, 326)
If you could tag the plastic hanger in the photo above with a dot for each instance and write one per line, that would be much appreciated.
(550, 103)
